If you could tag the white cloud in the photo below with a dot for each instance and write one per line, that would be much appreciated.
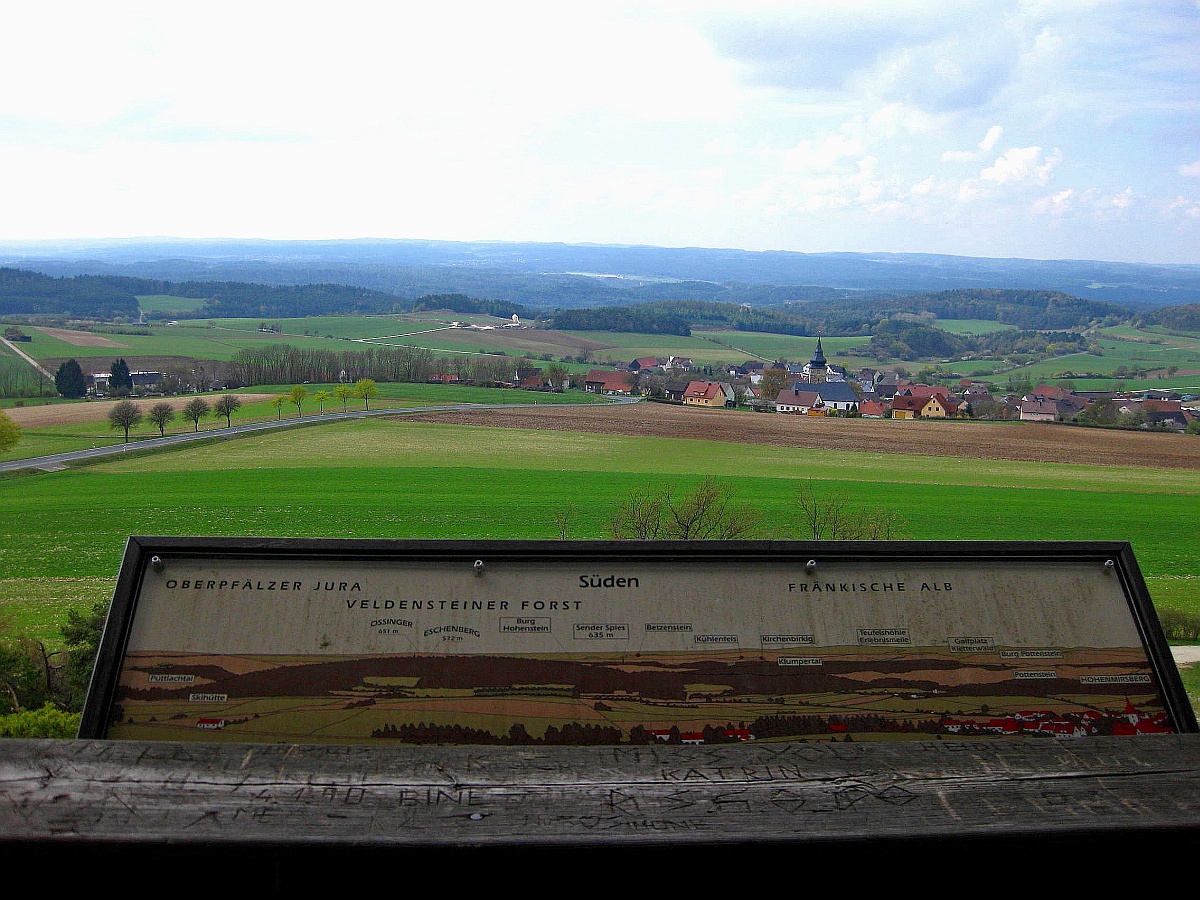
(832, 151)
(958, 156)
(925, 186)
(1123, 199)
(987, 143)
(1186, 207)
(970, 191)
(1056, 204)
(633, 120)
(1021, 165)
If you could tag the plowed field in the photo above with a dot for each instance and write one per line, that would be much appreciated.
(1029, 441)
(97, 410)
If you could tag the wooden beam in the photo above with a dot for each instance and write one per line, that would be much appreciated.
(76, 792)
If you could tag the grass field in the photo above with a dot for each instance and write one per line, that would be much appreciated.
(221, 339)
(972, 326)
(166, 304)
(63, 533)
(96, 432)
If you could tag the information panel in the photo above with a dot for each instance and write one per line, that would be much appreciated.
(620, 643)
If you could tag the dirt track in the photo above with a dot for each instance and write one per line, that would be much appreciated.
(1027, 441)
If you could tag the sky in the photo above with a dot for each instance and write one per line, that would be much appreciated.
(998, 128)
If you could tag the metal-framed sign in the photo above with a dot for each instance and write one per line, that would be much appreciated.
(625, 643)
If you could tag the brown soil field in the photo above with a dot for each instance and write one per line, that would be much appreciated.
(1024, 441)
(97, 410)
(82, 338)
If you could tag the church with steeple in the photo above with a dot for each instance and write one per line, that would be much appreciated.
(816, 369)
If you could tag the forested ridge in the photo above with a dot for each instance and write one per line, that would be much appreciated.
(847, 316)
(1176, 318)
(91, 296)
(887, 319)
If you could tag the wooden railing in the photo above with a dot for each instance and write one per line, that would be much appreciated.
(289, 815)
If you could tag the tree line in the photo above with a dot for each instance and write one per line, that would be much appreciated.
(85, 296)
(284, 363)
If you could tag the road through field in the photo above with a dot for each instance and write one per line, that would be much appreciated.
(90, 412)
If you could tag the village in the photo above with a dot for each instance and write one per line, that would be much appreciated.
(818, 388)
(814, 388)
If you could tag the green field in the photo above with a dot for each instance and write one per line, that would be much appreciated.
(1121, 346)
(49, 440)
(63, 533)
(221, 339)
(165, 304)
(972, 326)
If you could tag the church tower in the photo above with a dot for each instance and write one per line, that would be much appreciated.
(817, 368)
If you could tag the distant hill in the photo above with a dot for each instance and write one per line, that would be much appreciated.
(1177, 318)
(548, 276)
(30, 293)
(1022, 308)
(856, 315)
(107, 297)
(234, 299)
(829, 312)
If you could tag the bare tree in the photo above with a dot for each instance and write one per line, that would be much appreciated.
(707, 513)
(638, 517)
(161, 415)
(831, 516)
(125, 415)
(564, 518)
(195, 410)
(226, 405)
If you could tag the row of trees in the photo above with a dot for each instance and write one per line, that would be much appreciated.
(283, 363)
(711, 511)
(126, 415)
(17, 379)
(365, 389)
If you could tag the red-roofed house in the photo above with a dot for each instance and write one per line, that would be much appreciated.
(934, 405)
(707, 393)
(600, 381)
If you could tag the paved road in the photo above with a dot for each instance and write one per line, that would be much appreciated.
(61, 460)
